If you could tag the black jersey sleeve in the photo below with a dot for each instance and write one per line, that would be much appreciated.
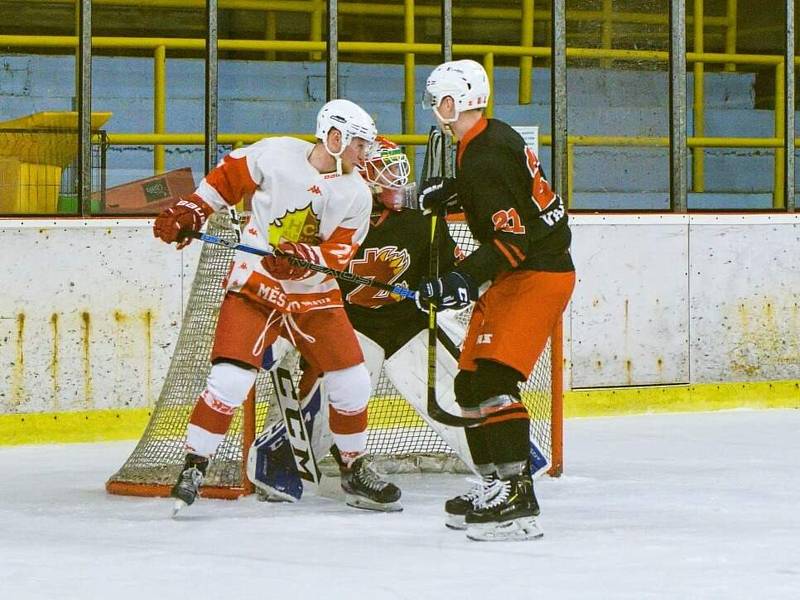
(510, 208)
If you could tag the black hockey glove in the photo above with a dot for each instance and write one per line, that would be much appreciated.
(437, 194)
(452, 291)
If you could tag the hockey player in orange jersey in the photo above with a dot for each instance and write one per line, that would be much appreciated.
(522, 225)
(308, 201)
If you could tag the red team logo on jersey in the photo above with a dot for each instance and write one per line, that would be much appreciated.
(314, 189)
(382, 264)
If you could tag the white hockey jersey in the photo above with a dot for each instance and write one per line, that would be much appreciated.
(291, 201)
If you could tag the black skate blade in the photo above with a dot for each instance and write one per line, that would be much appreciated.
(367, 504)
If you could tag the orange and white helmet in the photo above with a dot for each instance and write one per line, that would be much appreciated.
(386, 169)
(387, 165)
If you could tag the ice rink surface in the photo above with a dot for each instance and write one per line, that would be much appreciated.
(661, 506)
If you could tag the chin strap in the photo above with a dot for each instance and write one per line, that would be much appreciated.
(336, 155)
(446, 124)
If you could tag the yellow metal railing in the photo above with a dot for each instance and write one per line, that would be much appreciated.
(409, 49)
(526, 14)
(663, 141)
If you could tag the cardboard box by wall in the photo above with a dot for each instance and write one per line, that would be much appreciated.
(150, 195)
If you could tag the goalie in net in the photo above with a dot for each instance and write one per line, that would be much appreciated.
(307, 201)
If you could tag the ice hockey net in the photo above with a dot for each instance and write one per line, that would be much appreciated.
(397, 435)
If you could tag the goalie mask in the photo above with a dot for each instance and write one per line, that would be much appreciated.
(350, 120)
(386, 170)
(465, 81)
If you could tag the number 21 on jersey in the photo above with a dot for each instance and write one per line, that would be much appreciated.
(508, 220)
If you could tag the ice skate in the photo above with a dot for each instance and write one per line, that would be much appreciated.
(510, 515)
(187, 487)
(364, 488)
(482, 491)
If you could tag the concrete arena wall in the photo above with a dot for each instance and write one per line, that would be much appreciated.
(90, 313)
(92, 309)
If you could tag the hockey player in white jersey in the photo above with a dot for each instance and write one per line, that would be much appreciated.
(308, 201)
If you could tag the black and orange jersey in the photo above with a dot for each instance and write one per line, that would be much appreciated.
(509, 206)
(396, 251)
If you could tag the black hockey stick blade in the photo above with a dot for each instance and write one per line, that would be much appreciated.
(445, 418)
(435, 411)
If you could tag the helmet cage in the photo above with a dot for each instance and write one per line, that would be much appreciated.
(387, 166)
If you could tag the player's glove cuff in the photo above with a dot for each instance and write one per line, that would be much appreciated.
(437, 195)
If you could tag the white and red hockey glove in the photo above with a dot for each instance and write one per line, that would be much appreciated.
(184, 215)
(279, 265)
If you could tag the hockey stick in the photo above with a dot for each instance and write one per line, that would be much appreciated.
(311, 266)
(435, 410)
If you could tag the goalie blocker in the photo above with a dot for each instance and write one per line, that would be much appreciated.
(281, 460)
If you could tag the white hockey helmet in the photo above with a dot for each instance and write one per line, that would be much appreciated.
(463, 80)
(349, 119)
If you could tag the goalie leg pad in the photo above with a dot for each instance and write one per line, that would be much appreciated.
(271, 466)
(373, 357)
(407, 370)
(272, 463)
(275, 353)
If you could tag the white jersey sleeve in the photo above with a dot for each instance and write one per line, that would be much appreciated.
(235, 178)
(292, 201)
